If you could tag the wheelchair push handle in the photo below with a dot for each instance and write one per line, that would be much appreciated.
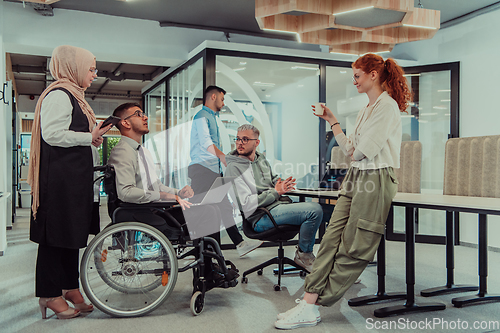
(100, 168)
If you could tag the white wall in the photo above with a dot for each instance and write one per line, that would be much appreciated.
(3, 161)
(475, 44)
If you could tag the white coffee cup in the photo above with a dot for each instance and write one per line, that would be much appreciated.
(318, 109)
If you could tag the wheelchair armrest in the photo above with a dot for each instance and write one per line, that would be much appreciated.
(155, 204)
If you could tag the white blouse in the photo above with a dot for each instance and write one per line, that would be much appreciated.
(377, 135)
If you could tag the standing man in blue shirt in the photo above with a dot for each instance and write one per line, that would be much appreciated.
(207, 159)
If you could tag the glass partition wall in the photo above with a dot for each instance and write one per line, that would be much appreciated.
(275, 93)
(276, 97)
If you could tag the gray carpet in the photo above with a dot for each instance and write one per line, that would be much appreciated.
(253, 307)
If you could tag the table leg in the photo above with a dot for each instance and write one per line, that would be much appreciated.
(450, 287)
(410, 305)
(482, 296)
(381, 295)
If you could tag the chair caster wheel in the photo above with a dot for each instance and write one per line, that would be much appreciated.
(260, 272)
(302, 273)
(197, 302)
(244, 280)
(277, 287)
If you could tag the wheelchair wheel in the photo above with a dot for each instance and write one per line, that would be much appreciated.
(129, 269)
(197, 303)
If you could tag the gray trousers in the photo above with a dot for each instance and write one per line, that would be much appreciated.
(353, 234)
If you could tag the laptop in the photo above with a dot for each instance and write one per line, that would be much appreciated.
(331, 180)
(217, 191)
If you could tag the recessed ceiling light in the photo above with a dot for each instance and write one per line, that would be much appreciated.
(444, 90)
(354, 10)
(304, 67)
(446, 100)
(352, 54)
(243, 63)
(263, 84)
(288, 32)
(419, 26)
(300, 85)
(429, 114)
(239, 69)
(268, 96)
(343, 72)
(440, 107)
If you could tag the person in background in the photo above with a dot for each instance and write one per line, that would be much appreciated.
(257, 186)
(206, 160)
(64, 140)
(358, 220)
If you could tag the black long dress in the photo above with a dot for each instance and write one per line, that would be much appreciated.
(64, 217)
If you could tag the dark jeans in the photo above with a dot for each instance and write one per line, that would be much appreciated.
(56, 269)
(201, 180)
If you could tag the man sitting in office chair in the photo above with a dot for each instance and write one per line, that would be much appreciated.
(136, 180)
(257, 186)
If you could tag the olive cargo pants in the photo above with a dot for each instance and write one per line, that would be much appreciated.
(353, 233)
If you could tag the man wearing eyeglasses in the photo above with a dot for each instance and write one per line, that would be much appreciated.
(207, 159)
(257, 186)
(136, 180)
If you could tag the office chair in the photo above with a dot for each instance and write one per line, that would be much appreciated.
(279, 234)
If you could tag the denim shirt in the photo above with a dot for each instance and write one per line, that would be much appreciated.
(205, 133)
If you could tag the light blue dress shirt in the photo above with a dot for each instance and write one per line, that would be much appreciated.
(205, 133)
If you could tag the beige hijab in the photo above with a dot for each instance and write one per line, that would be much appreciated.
(69, 65)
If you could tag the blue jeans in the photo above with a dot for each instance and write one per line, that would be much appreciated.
(306, 214)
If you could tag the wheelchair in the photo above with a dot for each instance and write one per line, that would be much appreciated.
(130, 268)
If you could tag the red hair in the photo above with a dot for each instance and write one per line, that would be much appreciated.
(391, 77)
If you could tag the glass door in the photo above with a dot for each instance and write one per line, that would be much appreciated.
(432, 120)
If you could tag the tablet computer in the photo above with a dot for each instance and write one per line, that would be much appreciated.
(111, 120)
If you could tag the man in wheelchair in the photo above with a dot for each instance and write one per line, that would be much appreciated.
(137, 183)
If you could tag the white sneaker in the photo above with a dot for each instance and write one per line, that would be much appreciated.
(247, 246)
(304, 259)
(285, 314)
(357, 281)
(301, 315)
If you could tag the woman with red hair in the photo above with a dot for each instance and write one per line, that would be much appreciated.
(358, 221)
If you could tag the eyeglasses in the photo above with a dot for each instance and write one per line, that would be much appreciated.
(355, 78)
(137, 113)
(93, 70)
(243, 140)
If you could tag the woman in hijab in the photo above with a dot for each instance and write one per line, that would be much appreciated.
(64, 140)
